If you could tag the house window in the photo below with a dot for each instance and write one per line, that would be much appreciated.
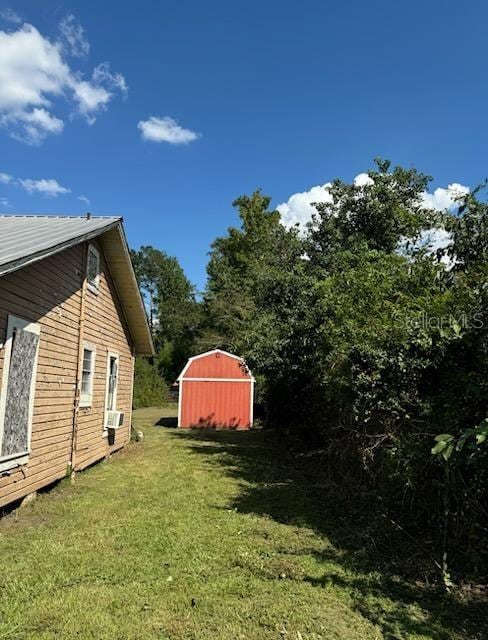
(112, 383)
(17, 392)
(87, 374)
(93, 268)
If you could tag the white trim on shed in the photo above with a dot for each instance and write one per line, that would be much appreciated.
(209, 353)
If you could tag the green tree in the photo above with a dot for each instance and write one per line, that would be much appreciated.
(374, 216)
(261, 249)
(355, 330)
(173, 310)
(149, 387)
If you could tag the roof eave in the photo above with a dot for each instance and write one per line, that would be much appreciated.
(149, 351)
(131, 299)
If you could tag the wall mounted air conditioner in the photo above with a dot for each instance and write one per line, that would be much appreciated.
(115, 419)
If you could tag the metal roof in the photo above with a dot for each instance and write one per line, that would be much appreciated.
(26, 239)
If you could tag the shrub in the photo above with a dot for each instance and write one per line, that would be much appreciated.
(149, 388)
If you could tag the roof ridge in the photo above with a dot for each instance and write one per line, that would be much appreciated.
(55, 215)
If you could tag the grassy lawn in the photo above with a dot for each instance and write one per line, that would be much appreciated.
(206, 535)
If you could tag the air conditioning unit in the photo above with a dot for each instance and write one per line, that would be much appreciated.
(115, 419)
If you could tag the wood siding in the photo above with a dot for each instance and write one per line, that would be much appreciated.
(53, 293)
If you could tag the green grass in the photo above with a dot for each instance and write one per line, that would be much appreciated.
(207, 535)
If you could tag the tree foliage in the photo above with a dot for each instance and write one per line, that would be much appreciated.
(367, 340)
(149, 387)
(173, 311)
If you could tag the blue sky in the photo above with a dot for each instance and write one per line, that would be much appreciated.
(280, 95)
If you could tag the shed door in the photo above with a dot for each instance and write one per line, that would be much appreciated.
(18, 386)
(216, 403)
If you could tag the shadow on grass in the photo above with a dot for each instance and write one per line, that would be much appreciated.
(368, 551)
(168, 422)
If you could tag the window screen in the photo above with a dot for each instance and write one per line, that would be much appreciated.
(93, 267)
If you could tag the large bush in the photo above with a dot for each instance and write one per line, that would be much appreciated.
(371, 342)
(149, 387)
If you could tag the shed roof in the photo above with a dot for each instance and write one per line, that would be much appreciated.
(26, 239)
(217, 352)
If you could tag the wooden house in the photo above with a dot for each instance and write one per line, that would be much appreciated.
(71, 322)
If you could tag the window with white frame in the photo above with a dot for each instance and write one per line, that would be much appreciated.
(87, 375)
(112, 383)
(93, 268)
(18, 390)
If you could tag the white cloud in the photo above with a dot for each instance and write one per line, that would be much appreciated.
(50, 188)
(10, 16)
(437, 238)
(31, 67)
(102, 75)
(4, 203)
(94, 95)
(363, 180)
(444, 199)
(74, 35)
(34, 72)
(32, 127)
(91, 98)
(165, 130)
(299, 209)
(431, 241)
(85, 200)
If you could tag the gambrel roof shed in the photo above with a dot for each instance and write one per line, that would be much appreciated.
(25, 239)
(216, 390)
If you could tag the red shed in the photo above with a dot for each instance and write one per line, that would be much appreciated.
(216, 391)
